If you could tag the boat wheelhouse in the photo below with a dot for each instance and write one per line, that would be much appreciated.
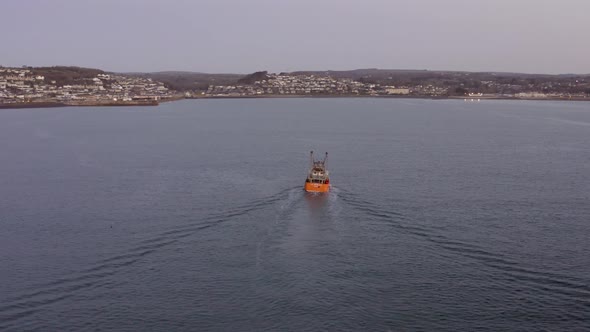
(318, 178)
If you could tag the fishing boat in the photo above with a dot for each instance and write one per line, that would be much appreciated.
(318, 178)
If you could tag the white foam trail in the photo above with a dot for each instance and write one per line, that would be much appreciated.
(334, 204)
(294, 195)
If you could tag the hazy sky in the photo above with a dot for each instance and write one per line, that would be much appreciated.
(242, 36)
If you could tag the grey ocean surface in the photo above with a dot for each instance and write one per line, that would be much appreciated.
(444, 216)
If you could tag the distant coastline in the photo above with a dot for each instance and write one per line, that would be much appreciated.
(58, 104)
(396, 97)
(44, 87)
(29, 105)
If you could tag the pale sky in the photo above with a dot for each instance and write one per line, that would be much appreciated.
(243, 36)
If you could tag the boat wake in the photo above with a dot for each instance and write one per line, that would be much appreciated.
(15, 309)
(334, 205)
(283, 213)
(548, 286)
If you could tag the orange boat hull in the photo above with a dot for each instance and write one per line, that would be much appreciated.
(317, 187)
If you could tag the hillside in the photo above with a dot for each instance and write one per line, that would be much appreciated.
(255, 77)
(472, 81)
(189, 81)
(65, 75)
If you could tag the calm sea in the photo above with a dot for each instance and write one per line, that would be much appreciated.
(444, 216)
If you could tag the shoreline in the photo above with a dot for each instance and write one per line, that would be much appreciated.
(466, 98)
(75, 104)
(28, 105)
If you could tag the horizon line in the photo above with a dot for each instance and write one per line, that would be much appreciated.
(307, 70)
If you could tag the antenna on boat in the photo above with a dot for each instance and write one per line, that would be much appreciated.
(311, 157)
(325, 158)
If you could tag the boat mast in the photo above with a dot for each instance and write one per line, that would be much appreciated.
(311, 157)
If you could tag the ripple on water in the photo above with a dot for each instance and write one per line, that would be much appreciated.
(20, 307)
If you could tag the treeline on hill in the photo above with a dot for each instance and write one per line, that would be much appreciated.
(64, 75)
(257, 76)
(189, 81)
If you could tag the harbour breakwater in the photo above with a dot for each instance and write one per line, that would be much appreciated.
(79, 103)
